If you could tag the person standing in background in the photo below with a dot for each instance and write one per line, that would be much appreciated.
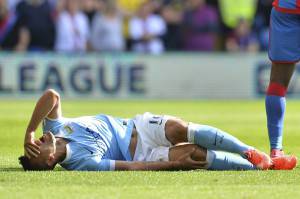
(90, 8)
(129, 9)
(172, 12)
(232, 11)
(12, 35)
(107, 29)
(12, 4)
(262, 22)
(72, 29)
(36, 17)
(146, 30)
(242, 39)
(200, 26)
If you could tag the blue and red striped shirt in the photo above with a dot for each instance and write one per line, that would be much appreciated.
(287, 6)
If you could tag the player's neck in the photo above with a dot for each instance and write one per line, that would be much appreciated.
(61, 150)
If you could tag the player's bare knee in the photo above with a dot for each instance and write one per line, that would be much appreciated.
(176, 130)
(197, 153)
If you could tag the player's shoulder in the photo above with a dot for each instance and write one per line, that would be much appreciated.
(83, 159)
(51, 124)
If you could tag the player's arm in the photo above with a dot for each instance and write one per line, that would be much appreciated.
(181, 158)
(48, 106)
(184, 162)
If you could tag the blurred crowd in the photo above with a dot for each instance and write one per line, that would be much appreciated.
(144, 26)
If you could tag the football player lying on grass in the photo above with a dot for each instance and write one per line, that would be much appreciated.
(146, 142)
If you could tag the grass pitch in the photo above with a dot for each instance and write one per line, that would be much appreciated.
(244, 119)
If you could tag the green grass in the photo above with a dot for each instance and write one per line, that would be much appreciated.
(244, 119)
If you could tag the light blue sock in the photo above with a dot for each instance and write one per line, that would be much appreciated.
(215, 139)
(219, 160)
(275, 108)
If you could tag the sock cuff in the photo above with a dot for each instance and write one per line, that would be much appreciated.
(191, 132)
(276, 89)
(210, 157)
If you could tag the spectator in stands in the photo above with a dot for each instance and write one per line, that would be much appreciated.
(12, 35)
(242, 38)
(130, 6)
(146, 30)
(129, 9)
(107, 29)
(90, 8)
(72, 29)
(60, 6)
(200, 26)
(53, 3)
(12, 4)
(172, 11)
(261, 23)
(233, 10)
(36, 18)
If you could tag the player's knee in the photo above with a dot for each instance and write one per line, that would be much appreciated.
(176, 125)
(197, 153)
(176, 130)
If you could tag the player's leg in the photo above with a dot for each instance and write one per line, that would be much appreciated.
(215, 139)
(178, 131)
(213, 160)
(275, 103)
(284, 52)
(165, 131)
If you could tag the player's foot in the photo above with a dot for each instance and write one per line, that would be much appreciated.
(285, 162)
(276, 153)
(259, 159)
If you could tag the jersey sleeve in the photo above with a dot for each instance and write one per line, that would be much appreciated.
(53, 125)
(98, 164)
(77, 158)
(90, 164)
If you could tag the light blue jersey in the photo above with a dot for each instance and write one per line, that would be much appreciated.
(95, 142)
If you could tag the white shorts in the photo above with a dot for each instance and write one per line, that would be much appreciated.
(152, 144)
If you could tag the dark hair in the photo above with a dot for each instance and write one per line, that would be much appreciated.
(28, 166)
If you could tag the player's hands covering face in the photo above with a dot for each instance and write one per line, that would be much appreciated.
(31, 148)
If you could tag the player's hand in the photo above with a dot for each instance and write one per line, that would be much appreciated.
(186, 162)
(31, 149)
